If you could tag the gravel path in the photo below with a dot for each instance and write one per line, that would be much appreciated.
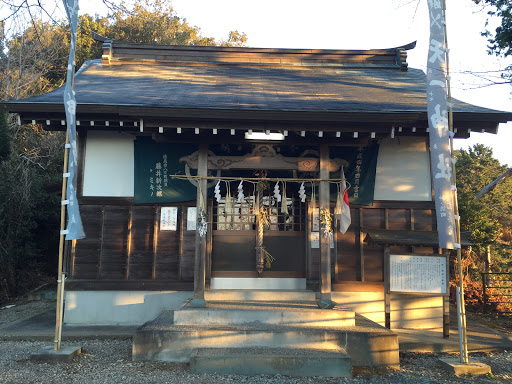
(109, 361)
(23, 310)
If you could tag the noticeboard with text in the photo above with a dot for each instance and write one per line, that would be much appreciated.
(426, 274)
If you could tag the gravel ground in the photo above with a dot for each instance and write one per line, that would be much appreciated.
(23, 309)
(109, 361)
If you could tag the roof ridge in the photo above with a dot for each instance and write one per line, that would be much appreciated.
(117, 51)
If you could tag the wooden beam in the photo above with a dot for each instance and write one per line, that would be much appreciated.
(155, 243)
(200, 253)
(129, 243)
(102, 239)
(387, 293)
(361, 243)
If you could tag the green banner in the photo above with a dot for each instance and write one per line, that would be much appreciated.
(155, 161)
(360, 173)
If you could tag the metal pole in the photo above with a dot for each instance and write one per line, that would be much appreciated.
(461, 309)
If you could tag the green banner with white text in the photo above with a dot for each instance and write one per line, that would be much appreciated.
(154, 162)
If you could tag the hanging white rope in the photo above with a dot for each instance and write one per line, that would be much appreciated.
(216, 192)
(284, 200)
(277, 192)
(302, 193)
(241, 191)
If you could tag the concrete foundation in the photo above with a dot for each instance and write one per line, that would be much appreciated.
(49, 354)
(473, 368)
(119, 307)
(271, 361)
(367, 343)
(137, 307)
(293, 314)
(407, 311)
(286, 283)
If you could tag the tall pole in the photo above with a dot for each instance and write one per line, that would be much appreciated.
(461, 309)
(58, 310)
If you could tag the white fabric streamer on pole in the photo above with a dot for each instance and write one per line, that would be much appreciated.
(437, 107)
(74, 227)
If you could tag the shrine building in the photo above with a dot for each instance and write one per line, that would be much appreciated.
(205, 172)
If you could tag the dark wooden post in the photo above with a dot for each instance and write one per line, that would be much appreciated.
(325, 247)
(446, 299)
(200, 254)
(387, 290)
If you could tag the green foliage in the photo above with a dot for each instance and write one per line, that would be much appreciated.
(156, 22)
(486, 217)
(34, 62)
(500, 41)
(489, 218)
(235, 39)
(87, 47)
(5, 140)
(37, 57)
(29, 215)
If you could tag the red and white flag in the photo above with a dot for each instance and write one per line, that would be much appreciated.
(342, 207)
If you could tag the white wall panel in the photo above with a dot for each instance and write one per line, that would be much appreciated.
(403, 170)
(109, 163)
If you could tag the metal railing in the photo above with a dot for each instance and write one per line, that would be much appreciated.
(497, 291)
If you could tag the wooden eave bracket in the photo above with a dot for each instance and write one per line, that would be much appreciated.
(107, 52)
(401, 59)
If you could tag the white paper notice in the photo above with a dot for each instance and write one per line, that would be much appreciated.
(316, 221)
(168, 218)
(191, 218)
(422, 274)
(315, 240)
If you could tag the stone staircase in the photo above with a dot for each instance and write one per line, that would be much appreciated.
(266, 332)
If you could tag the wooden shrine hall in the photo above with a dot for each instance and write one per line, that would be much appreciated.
(209, 170)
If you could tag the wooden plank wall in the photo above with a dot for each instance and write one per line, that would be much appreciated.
(359, 261)
(121, 250)
(124, 244)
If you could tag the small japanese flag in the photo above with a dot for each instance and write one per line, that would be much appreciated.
(344, 218)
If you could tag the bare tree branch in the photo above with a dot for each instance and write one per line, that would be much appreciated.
(489, 187)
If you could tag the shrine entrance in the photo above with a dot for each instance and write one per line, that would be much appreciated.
(259, 235)
(234, 236)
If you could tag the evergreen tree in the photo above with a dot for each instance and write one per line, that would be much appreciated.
(490, 218)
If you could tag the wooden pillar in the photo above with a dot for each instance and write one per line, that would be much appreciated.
(387, 291)
(325, 248)
(200, 254)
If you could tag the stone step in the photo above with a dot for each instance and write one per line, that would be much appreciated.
(259, 295)
(253, 312)
(367, 343)
(271, 361)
